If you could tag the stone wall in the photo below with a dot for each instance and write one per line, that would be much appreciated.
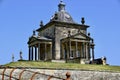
(43, 74)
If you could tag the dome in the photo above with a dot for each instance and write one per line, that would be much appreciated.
(62, 15)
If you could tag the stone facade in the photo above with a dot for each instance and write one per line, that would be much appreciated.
(43, 74)
(61, 39)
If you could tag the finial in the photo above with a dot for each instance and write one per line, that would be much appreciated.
(34, 33)
(88, 34)
(61, 6)
(61, 1)
(13, 57)
(41, 23)
(21, 58)
(82, 20)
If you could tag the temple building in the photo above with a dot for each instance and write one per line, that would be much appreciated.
(61, 39)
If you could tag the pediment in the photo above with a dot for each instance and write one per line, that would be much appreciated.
(80, 35)
(32, 39)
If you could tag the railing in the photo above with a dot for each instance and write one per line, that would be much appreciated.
(23, 70)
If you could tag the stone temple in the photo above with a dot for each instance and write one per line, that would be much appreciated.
(61, 39)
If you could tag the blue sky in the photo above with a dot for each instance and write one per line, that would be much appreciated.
(18, 18)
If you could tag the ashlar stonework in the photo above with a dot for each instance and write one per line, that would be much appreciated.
(62, 39)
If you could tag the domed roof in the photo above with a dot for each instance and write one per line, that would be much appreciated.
(62, 15)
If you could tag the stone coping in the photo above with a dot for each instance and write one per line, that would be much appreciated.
(8, 67)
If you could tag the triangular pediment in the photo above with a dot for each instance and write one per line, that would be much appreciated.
(38, 38)
(80, 36)
(32, 39)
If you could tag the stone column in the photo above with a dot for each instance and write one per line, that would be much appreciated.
(82, 50)
(32, 54)
(35, 53)
(66, 52)
(76, 49)
(29, 54)
(92, 46)
(93, 53)
(87, 51)
(45, 54)
(38, 51)
(69, 48)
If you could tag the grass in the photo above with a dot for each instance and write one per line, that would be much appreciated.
(52, 65)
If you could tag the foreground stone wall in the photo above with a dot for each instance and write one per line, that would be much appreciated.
(43, 74)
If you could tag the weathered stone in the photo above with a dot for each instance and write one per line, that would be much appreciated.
(62, 33)
(43, 74)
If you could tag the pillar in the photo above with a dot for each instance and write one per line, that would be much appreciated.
(45, 54)
(35, 53)
(69, 48)
(93, 53)
(66, 52)
(82, 50)
(32, 57)
(76, 49)
(29, 56)
(92, 46)
(38, 51)
(87, 51)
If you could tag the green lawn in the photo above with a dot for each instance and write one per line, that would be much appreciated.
(53, 65)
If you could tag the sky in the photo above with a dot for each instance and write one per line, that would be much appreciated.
(18, 19)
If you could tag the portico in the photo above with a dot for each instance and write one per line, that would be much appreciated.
(40, 49)
(61, 39)
(73, 48)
